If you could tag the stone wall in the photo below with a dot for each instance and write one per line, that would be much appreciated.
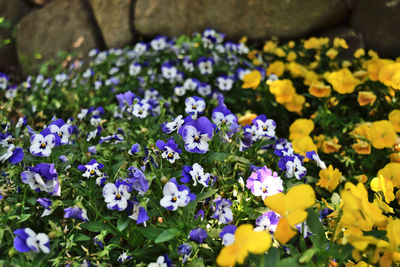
(44, 27)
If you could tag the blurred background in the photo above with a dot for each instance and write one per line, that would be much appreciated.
(36, 31)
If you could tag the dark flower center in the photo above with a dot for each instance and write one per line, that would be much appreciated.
(174, 199)
(118, 196)
(43, 145)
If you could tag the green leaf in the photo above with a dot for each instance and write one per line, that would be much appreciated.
(292, 262)
(123, 223)
(94, 226)
(81, 237)
(271, 258)
(307, 256)
(315, 225)
(24, 217)
(217, 156)
(167, 235)
(150, 232)
(239, 159)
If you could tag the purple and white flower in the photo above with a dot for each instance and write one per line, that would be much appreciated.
(137, 212)
(141, 109)
(162, 261)
(224, 83)
(92, 169)
(265, 127)
(159, 43)
(194, 106)
(124, 257)
(134, 69)
(195, 173)
(227, 235)
(13, 154)
(170, 150)
(176, 195)
(263, 182)
(46, 203)
(205, 65)
(196, 135)
(62, 129)
(204, 89)
(3, 81)
(138, 180)
(42, 177)
(314, 156)
(175, 124)
(191, 84)
(222, 211)
(293, 166)
(42, 143)
(267, 222)
(76, 213)
(116, 195)
(27, 240)
(169, 71)
(185, 250)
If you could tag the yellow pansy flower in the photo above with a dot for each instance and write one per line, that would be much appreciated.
(296, 105)
(366, 98)
(296, 70)
(270, 47)
(332, 53)
(300, 128)
(340, 42)
(381, 184)
(315, 43)
(391, 171)
(291, 206)
(357, 210)
(252, 80)
(343, 81)
(247, 118)
(331, 145)
(362, 147)
(329, 178)
(386, 73)
(310, 77)
(374, 67)
(359, 53)
(303, 144)
(246, 241)
(277, 68)
(291, 56)
(361, 130)
(382, 134)
(280, 52)
(394, 118)
(319, 89)
(283, 90)
(392, 254)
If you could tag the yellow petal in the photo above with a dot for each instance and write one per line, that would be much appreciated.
(296, 217)
(227, 256)
(299, 197)
(284, 231)
(258, 242)
(276, 203)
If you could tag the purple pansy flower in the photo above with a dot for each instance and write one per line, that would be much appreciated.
(264, 183)
(137, 212)
(265, 127)
(92, 169)
(198, 235)
(3, 81)
(228, 234)
(194, 106)
(12, 155)
(314, 156)
(222, 211)
(205, 65)
(267, 222)
(195, 173)
(134, 149)
(176, 195)
(42, 177)
(170, 150)
(27, 240)
(185, 250)
(293, 166)
(116, 195)
(137, 180)
(46, 203)
(76, 213)
(196, 135)
(42, 143)
(62, 130)
(175, 124)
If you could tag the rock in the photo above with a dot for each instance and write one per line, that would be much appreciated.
(113, 17)
(257, 19)
(59, 26)
(379, 21)
(12, 11)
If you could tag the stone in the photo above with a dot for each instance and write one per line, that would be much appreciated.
(113, 18)
(12, 11)
(58, 26)
(257, 19)
(379, 22)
